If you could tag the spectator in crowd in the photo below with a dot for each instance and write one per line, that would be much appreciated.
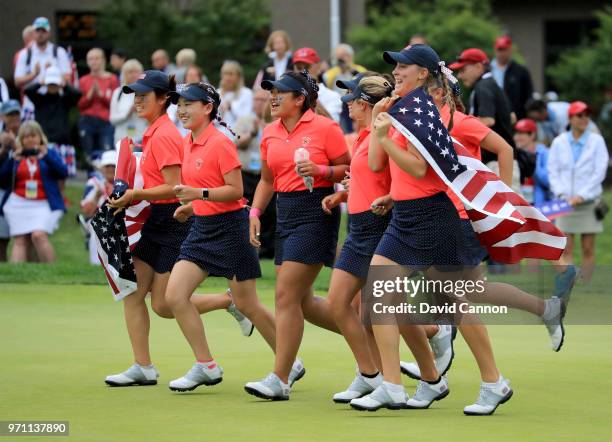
(345, 69)
(249, 129)
(97, 190)
(35, 59)
(160, 60)
(184, 58)
(577, 166)
(10, 111)
(95, 129)
(488, 103)
(194, 74)
(53, 101)
(4, 97)
(33, 204)
(536, 189)
(28, 35)
(117, 59)
(236, 99)
(418, 39)
(307, 58)
(511, 77)
(551, 118)
(123, 114)
(278, 48)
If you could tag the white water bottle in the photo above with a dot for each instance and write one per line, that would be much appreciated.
(303, 155)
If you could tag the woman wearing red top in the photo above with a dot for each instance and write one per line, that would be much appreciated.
(473, 135)
(306, 236)
(162, 235)
(218, 241)
(424, 232)
(369, 208)
(95, 130)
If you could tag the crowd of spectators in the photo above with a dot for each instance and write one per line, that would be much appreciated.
(558, 150)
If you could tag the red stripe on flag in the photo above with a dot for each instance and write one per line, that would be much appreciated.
(114, 287)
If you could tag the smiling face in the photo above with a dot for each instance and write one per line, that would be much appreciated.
(148, 106)
(408, 77)
(357, 110)
(193, 114)
(524, 140)
(284, 104)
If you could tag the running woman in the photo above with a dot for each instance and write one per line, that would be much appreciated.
(306, 236)
(424, 232)
(162, 235)
(473, 135)
(218, 241)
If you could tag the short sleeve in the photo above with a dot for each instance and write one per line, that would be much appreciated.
(166, 150)
(397, 137)
(263, 148)
(20, 67)
(473, 131)
(485, 101)
(335, 144)
(227, 157)
(63, 61)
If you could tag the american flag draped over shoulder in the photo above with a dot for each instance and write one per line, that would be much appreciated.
(117, 235)
(506, 225)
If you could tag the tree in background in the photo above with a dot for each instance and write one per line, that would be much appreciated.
(216, 29)
(585, 72)
(449, 25)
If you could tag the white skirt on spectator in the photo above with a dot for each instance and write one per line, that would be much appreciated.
(26, 216)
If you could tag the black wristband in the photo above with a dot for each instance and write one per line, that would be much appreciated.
(205, 194)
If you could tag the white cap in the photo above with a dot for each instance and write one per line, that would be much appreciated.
(53, 76)
(108, 158)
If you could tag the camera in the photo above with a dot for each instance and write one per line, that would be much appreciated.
(29, 152)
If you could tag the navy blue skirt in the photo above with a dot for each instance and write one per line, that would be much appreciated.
(365, 231)
(422, 233)
(472, 251)
(161, 238)
(304, 232)
(219, 244)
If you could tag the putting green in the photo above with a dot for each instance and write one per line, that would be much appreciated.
(58, 343)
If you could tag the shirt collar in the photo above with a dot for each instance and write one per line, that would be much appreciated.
(204, 136)
(580, 141)
(305, 118)
(156, 125)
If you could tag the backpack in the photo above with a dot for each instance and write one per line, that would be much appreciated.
(29, 55)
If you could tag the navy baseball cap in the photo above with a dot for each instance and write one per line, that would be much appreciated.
(147, 82)
(285, 84)
(349, 84)
(419, 54)
(357, 93)
(9, 107)
(194, 92)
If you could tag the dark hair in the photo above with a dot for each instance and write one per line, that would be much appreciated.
(214, 114)
(119, 52)
(534, 105)
(310, 87)
(159, 93)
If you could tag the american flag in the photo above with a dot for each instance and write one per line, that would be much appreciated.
(506, 225)
(117, 235)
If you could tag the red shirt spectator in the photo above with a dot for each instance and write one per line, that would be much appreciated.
(98, 105)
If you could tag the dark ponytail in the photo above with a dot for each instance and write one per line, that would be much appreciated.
(214, 114)
(159, 93)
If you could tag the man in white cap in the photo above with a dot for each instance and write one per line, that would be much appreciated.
(97, 190)
(33, 62)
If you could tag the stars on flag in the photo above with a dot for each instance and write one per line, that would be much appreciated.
(444, 151)
(431, 114)
(418, 110)
(429, 103)
(430, 125)
(417, 99)
(418, 123)
(403, 110)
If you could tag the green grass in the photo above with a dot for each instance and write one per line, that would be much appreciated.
(59, 341)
